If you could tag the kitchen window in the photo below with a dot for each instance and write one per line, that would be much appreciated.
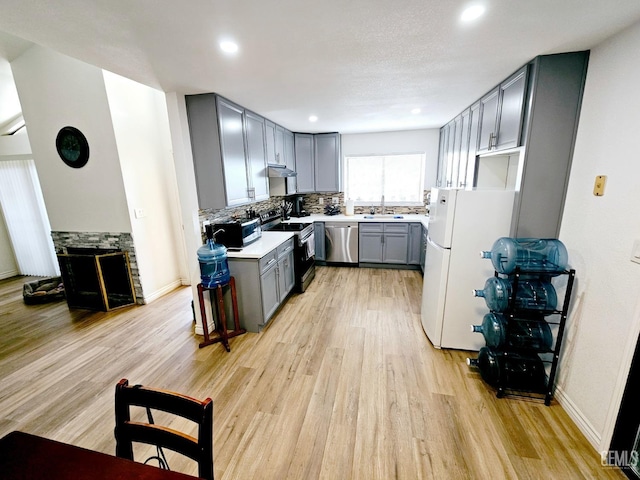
(400, 178)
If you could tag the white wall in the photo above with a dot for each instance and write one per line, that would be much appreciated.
(141, 126)
(599, 233)
(407, 141)
(56, 91)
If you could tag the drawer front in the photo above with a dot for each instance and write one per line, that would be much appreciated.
(268, 261)
(371, 227)
(396, 228)
(285, 248)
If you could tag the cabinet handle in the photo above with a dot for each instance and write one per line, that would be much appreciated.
(493, 140)
(271, 261)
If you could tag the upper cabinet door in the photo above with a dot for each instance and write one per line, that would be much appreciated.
(465, 118)
(327, 162)
(280, 160)
(256, 156)
(270, 140)
(488, 120)
(303, 143)
(290, 161)
(512, 93)
(474, 124)
(230, 118)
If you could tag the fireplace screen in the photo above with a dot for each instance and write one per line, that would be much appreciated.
(96, 279)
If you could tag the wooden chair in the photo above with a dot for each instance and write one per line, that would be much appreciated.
(126, 431)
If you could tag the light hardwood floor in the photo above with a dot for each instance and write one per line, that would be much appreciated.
(343, 384)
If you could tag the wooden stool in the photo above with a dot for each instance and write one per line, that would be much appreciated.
(223, 335)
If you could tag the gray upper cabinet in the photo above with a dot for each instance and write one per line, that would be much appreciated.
(234, 162)
(474, 126)
(317, 162)
(280, 155)
(303, 145)
(229, 164)
(290, 161)
(512, 94)
(256, 156)
(327, 162)
(488, 120)
(537, 108)
(270, 140)
(501, 114)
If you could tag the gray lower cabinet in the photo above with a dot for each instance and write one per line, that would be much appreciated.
(269, 279)
(318, 232)
(415, 243)
(386, 243)
(371, 237)
(423, 248)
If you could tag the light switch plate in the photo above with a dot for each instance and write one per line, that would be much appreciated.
(140, 213)
(320, 201)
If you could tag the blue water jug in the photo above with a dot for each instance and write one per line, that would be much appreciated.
(513, 370)
(214, 267)
(515, 333)
(531, 294)
(547, 255)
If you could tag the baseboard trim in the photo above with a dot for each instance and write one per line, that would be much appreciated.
(163, 291)
(9, 274)
(592, 435)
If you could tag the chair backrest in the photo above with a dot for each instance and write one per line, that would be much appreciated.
(126, 431)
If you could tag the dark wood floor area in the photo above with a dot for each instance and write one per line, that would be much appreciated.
(343, 384)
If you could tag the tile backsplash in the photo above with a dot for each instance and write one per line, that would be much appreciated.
(311, 204)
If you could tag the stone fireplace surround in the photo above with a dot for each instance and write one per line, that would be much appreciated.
(106, 240)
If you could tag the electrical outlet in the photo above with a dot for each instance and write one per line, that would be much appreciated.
(320, 201)
(335, 200)
(140, 213)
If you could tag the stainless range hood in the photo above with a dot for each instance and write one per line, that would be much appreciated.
(280, 171)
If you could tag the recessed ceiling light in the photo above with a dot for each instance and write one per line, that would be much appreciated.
(229, 47)
(416, 111)
(472, 12)
(313, 118)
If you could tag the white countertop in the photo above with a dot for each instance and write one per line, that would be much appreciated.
(259, 249)
(401, 217)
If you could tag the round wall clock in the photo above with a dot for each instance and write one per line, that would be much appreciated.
(72, 147)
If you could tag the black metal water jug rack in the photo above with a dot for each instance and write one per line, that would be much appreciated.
(552, 317)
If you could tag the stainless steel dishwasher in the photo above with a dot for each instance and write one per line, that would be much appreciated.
(341, 242)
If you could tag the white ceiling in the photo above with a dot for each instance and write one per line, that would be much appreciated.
(359, 65)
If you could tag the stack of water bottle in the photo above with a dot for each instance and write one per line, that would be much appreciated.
(519, 297)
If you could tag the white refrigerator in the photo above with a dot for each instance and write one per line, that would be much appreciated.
(462, 223)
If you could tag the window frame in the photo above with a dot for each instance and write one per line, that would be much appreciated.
(345, 176)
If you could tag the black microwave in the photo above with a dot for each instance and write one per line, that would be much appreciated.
(237, 233)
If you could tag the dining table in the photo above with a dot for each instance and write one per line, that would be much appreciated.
(25, 456)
